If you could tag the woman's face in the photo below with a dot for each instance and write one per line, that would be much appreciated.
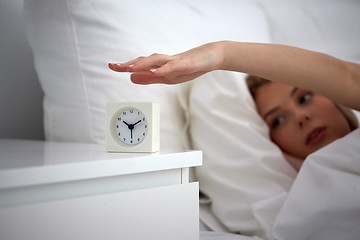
(300, 120)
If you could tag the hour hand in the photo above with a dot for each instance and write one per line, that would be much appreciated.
(126, 123)
(137, 122)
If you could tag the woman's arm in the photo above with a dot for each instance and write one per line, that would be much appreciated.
(332, 77)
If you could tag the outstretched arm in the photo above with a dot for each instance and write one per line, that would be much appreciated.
(339, 80)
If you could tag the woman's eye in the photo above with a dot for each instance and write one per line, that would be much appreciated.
(305, 97)
(277, 121)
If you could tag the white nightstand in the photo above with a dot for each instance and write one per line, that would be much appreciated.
(52, 190)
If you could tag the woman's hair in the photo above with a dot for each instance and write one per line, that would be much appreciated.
(254, 83)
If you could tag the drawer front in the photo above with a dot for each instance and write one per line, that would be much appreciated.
(170, 212)
(93, 186)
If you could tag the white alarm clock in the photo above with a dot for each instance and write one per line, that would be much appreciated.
(133, 127)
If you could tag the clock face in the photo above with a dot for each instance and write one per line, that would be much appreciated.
(131, 126)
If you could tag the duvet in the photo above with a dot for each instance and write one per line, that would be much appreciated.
(323, 203)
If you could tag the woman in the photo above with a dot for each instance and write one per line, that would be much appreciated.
(299, 103)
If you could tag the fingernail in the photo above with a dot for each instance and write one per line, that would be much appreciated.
(111, 65)
(132, 65)
(153, 70)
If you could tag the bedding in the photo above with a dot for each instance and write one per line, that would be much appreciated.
(209, 235)
(323, 202)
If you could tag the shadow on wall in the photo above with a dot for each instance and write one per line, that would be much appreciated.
(21, 113)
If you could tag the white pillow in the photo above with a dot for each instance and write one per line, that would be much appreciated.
(241, 165)
(328, 26)
(73, 41)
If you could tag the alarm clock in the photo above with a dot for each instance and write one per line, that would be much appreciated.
(133, 127)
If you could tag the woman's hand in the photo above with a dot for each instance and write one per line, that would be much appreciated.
(183, 67)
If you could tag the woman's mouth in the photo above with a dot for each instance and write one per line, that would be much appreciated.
(316, 136)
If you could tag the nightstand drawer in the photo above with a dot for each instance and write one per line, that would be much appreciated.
(170, 212)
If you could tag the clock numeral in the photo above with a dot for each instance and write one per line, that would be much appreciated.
(145, 126)
(119, 119)
(124, 139)
(117, 126)
(119, 134)
(138, 139)
(143, 118)
(124, 113)
(143, 134)
(131, 141)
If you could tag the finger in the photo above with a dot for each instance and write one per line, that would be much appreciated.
(152, 62)
(124, 67)
(118, 67)
(141, 63)
(173, 78)
(177, 66)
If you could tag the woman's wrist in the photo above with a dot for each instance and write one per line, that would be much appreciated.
(230, 61)
(222, 48)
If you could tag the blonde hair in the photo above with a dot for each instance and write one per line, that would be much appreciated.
(254, 83)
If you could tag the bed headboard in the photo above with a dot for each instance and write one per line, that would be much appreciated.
(20, 92)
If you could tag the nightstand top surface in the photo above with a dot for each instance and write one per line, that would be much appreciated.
(29, 162)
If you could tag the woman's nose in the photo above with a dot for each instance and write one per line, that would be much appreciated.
(303, 118)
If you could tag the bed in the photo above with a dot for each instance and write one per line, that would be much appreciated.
(248, 190)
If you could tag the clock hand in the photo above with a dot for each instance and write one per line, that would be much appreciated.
(137, 122)
(130, 126)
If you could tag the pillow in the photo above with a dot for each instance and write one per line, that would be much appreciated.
(73, 41)
(328, 26)
(241, 166)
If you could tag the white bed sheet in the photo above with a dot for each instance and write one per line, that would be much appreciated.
(324, 201)
(209, 235)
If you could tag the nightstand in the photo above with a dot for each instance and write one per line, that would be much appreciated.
(53, 190)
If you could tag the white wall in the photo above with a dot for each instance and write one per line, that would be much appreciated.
(21, 114)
